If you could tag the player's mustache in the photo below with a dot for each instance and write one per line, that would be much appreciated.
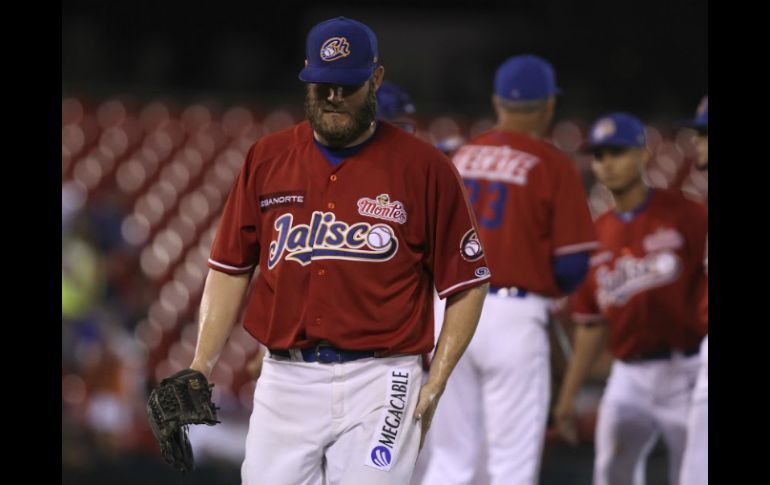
(325, 105)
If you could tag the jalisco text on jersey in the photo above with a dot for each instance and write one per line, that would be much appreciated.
(327, 238)
(634, 275)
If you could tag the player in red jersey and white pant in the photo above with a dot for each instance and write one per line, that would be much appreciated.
(351, 222)
(696, 455)
(536, 229)
(642, 293)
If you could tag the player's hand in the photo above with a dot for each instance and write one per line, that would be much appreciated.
(565, 420)
(426, 406)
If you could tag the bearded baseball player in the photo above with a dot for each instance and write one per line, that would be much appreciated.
(642, 294)
(696, 455)
(351, 222)
(537, 232)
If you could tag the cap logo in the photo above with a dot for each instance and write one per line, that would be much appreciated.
(335, 48)
(603, 129)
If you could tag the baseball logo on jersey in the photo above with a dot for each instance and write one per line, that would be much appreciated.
(470, 246)
(327, 238)
(383, 448)
(335, 48)
(382, 208)
(634, 275)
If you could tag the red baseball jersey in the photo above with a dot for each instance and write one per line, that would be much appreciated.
(348, 253)
(647, 276)
(530, 206)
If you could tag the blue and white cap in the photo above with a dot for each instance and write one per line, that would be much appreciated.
(340, 51)
(616, 130)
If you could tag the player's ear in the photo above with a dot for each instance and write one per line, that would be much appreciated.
(379, 75)
(495, 104)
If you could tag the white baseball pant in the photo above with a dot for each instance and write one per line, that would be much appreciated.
(696, 455)
(498, 394)
(643, 401)
(334, 424)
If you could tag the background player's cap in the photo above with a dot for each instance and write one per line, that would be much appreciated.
(340, 51)
(525, 77)
(393, 102)
(701, 120)
(616, 130)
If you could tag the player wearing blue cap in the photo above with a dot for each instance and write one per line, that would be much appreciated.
(701, 124)
(537, 232)
(641, 298)
(696, 455)
(395, 106)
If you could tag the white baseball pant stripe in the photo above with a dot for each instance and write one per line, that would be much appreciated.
(315, 424)
(642, 402)
(497, 395)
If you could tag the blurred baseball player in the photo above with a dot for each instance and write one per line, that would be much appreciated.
(395, 106)
(696, 455)
(537, 232)
(351, 223)
(642, 293)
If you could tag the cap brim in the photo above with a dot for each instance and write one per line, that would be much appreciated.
(349, 77)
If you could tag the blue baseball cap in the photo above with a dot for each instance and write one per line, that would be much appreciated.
(701, 120)
(340, 51)
(616, 130)
(525, 77)
(392, 102)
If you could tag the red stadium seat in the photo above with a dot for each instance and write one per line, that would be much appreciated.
(567, 137)
(71, 111)
(114, 141)
(277, 120)
(236, 121)
(184, 228)
(111, 113)
(130, 176)
(88, 171)
(154, 261)
(195, 117)
(135, 229)
(153, 116)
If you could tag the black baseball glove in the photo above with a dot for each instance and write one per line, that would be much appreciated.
(179, 401)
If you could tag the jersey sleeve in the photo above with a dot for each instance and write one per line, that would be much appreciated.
(455, 256)
(572, 227)
(236, 246)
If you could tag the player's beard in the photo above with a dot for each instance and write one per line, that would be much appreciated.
(335, 134)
